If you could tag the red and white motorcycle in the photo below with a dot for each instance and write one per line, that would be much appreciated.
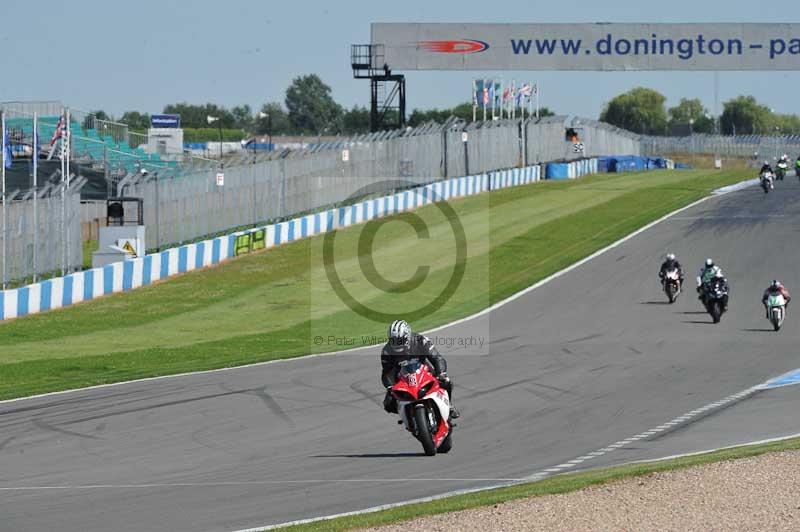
(672, 284)
(424, 406)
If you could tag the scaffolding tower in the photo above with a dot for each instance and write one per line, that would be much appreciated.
(387, 108)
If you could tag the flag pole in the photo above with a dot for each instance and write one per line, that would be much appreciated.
(61, 142)
(35, 157)
(530, 102)
(502, 96)
(491, 96)
(474, 99)
(67, 147)
(484, 96)
(5, 234)
(537, 100)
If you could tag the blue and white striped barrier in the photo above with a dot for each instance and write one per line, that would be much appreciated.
(128, 275)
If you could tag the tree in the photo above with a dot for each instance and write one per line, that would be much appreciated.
(89, 123)
(355, 121)
(243, 117)
(195, 115)
(546, 111)
(786, 124)
(640, 110)
(277, 118)
(136, 120)
(311, 106)
(691, 115)
(744, 115)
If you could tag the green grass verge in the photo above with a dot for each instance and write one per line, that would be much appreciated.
(273, 304)
(554, 485)
(89, 247)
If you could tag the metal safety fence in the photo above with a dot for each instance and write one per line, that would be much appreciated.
(192, 198)
(251, 188)
(41, 236)
(744, 146)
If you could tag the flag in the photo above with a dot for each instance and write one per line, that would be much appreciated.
(478, 90)
(506, 94)
(58, 134)
(485, 96)
(535, 89)
(498, 92)
(8, 156)
(489, 100)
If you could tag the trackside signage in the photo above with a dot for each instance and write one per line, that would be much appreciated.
(603, 46)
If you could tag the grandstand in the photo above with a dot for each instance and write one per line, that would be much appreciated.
(103, 151)
(93, 141)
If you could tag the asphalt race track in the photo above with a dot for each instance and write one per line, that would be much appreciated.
(589, 359)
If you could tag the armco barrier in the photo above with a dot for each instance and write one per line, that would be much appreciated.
(130, 274)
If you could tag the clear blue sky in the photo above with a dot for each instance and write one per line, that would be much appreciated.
(143, 54)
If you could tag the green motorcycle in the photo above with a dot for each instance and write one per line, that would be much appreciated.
(776, 313)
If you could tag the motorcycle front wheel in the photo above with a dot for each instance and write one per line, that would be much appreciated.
(672, 293)
(424, 431)
(716, 311)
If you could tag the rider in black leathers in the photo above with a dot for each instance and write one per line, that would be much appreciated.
(719, 281)
(670, 263)
(766, 167)
(404, 344)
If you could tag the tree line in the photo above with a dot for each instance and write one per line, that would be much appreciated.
(643, 110)
(308, 108)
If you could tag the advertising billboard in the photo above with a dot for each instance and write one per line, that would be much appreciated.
(590, 46)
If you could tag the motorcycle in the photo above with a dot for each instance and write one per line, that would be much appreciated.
(781, 171)
(424, 406)
(672, 284)
(776, 306)
(714, 301)
(767, 182)
(797, 169)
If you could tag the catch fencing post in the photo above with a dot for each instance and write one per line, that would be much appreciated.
(67, 146)
(464, 140)
(35, 156)
(255, 216)
(5, 209)
(158, 227)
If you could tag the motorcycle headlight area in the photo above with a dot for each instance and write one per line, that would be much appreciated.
(425, 389)
(402, 395)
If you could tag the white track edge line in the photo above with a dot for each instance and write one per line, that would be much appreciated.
(533, 478)
(714, 194)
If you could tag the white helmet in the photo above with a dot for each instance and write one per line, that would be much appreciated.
(670, 256)
(709, 263)
(399, 335)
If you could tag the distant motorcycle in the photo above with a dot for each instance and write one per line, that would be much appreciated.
(782, 168)
(714, 301)
(672, 284)
(767, 181)
(776, 306)
(424, 406)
